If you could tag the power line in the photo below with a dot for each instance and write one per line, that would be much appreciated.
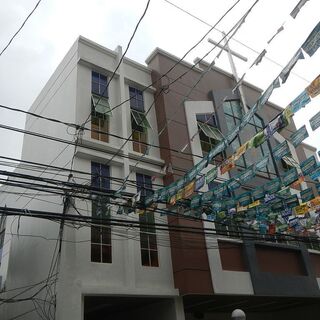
(130, 223)
(235, 40)
(24, 22)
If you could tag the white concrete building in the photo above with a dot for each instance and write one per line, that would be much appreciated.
(98, 270)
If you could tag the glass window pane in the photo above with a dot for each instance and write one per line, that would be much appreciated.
(95, 235)
(95, 76)
(154, 259)
(144, 240)
(227, 108)
(106, 235)
(95, 88)
(95, 253)
(145, 257)
(152, 241)
(106, 254)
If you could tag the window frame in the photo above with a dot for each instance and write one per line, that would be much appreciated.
(139, 128)
(150, 252)
(229, 104)
(101, 234)
(101, 83)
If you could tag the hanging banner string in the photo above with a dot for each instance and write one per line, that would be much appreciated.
(311, 44)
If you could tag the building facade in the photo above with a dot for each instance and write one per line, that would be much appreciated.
(146, 272)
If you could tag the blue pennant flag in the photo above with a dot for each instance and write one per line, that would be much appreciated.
(312, 43)
(300, 101)
(298, 136)
(315, 121)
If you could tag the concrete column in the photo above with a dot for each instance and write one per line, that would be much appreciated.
(125, 113)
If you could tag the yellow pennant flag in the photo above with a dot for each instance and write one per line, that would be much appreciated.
(188, 189)
(301, 210)
(314, 87)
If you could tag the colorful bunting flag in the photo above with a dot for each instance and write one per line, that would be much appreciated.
(241, 150)
(247, 175)
(313, 88)
(287, 69)
(318, 187)
(315, 121)
(315, 174)
(301, 210)
(300, 101)
(244, 199)
(290, 176)
(298, 182)
(207, 197)
(259, 58)
(233, 184)
(261, 164)
(188, 189)
(298, 136)
(258, 193)
(257, 140)
(281, 150)
(227, 165)
(195, 202)
(277, 32)
(266, 95)
(292, 201)
(273, 186)
(306, 195)
(219, 190)
(211, 175)
(297, 8)
(199, 183)
(311, 45)
(308, 165)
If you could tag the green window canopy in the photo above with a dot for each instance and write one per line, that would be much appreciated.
(140, 119)
(101, 106)
(210, 132)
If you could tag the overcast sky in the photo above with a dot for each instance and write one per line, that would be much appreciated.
(35, 53)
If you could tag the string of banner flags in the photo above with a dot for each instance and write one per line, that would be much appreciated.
(254, 210)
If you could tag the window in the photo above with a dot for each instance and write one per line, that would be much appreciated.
(136, 99)
(288, 162)
(233, 114)
(209, 134)
(99, 84)
(148, 238)
(100, 108)
(101, 246)
(139, 122)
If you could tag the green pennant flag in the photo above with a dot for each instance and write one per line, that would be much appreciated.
(315, 121)
(290, 176)
(308, 165)
(211, 174)
(292, 201)
(306, 195)
(247, 175)
(233, 184)
(298, 136)
(195, 202)
(261, 164)
(258, 193)
(219, 190)
(281, 150)
(245, 198)
(273, 186)
(207, 197)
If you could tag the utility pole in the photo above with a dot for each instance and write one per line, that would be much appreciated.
(233, 66)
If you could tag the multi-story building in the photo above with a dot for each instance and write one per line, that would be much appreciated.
(120, 271)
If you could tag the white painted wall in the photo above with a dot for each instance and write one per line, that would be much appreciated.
(67, 96)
